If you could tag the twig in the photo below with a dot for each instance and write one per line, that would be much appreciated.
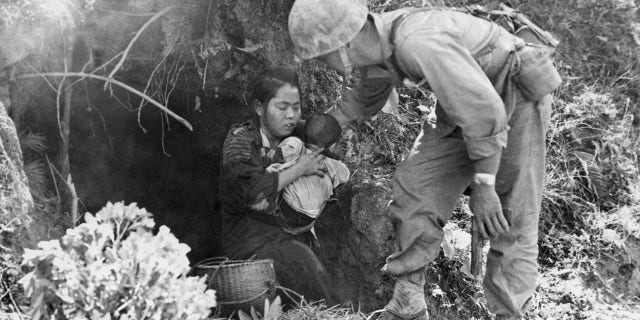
(43, 77)
(127, 106)
(55, 184)
(164, 150)
(61, 86)
(374, 313)
(58, 94)
(206, 33)
(153, 72)
(4, 295)
(116, 82)
(59, 175)
(74, 201)
(174, 72)
(7, 225)
(66, 127)
(286, 291)
(13, 302)
(72, 191)
(167, 84)
(606, 287)
(126, 51)
(104, 65)
(125, 13)
(104, 122)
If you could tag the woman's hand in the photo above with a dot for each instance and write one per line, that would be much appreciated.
(312, 163)
(307, 164)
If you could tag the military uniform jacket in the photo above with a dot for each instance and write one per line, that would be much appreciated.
(462, 59)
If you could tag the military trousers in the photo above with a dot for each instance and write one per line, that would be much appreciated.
(428, 185)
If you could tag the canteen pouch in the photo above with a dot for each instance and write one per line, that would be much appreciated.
(536, 76)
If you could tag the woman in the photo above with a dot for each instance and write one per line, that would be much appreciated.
(254, 224)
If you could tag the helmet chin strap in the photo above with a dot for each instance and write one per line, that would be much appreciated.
(348, 69)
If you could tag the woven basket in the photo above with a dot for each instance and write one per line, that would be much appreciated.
(239, 284)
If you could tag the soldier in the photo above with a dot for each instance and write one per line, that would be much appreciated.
(489, 135)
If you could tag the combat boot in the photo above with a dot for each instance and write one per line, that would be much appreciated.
(408, 302)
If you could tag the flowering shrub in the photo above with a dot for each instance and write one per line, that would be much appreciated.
(113, 267)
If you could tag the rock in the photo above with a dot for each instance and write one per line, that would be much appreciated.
(355, 237)
(371, 241)
(15, 197)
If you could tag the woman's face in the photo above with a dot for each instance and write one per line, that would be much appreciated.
(280, 115)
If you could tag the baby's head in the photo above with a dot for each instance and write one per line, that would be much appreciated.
(321, 130)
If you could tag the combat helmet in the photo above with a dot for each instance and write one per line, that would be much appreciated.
(318, 27)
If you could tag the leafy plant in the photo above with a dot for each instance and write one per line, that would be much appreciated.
(272, 311)
(113, 267)
(33, 145)
(10, 296)
(592, 152)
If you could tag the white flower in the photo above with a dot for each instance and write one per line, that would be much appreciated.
(96, 272)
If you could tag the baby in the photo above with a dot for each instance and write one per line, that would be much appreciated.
(308, 195)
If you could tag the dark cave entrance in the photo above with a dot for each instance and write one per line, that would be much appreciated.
(117, 154)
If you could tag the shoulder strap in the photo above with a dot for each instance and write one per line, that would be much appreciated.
(505, 16)
(512, 20)
(392, 62)
(396, 23)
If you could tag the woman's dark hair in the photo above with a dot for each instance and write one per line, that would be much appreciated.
(267, 84)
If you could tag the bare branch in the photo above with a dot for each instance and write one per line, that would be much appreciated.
(53, 177)
(116, 82)
(58, 107)
(74, 201)
(122, 13)
(104, 65)
(126, 51)
(104, 122)
(153, 72)
(43, 78)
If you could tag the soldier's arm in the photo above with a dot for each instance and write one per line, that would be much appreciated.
(366, 98)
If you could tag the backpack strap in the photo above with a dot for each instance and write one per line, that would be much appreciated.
(505, 16)
(396, 23)
(392, 62)
(513, 20)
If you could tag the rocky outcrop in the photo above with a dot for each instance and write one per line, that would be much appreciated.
(15, 198)
(370, 241)
(355, 237)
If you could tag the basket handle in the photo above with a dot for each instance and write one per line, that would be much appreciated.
(220, 261)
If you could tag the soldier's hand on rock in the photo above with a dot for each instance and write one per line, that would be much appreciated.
(487, 211)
